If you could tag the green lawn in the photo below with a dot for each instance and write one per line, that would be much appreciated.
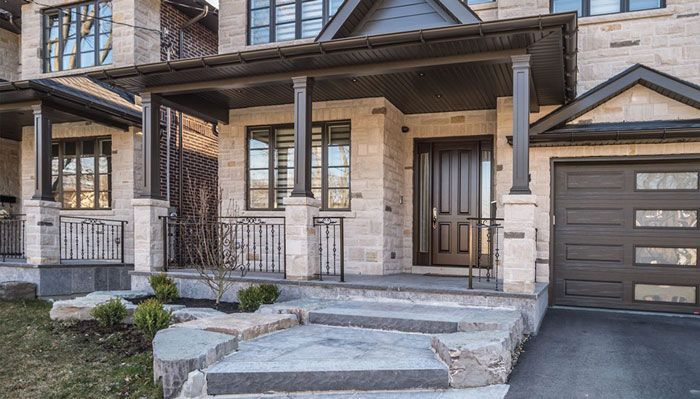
(43, 359)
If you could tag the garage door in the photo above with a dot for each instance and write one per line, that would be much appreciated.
(626, 235)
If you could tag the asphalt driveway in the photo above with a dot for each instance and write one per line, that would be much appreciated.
(593, 354)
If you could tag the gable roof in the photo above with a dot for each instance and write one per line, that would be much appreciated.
(368, 17)
(667, 85)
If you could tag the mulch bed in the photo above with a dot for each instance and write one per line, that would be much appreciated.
(122, 339)
(226, 307)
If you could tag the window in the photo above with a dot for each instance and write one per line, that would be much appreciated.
(470, 2)
(665, 293)
(81, 173)
(665, 218)
(281, 20)
(667, 180)
(271, 165)
(77, 36)
(586, 8)
(666, 256)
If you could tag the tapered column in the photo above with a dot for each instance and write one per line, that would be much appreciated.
(42, 153)
(303, 90)
(150, 186)
(521, 124)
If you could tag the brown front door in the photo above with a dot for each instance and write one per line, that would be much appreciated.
(455, 199)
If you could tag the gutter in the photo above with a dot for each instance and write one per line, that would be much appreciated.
(615, 136)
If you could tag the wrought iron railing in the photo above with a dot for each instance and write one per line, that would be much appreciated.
(89, 239)
(12, 237)
(254, 244)
(331, 246)
(485, 237)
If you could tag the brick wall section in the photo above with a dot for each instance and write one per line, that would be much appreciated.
(9, 55)
(199, 41)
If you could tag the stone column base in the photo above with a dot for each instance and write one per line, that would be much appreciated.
(302, 260)
(519, 243)
(148, 233)
(42, 232)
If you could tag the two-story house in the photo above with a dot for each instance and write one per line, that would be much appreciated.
(87, 136)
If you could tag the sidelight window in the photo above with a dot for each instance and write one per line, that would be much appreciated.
(77, 36)
(271, 165)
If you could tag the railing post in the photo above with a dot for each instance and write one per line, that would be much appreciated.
(166, 243)
(472, 250)
(342, 250)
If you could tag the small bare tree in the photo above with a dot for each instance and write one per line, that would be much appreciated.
(210, 243)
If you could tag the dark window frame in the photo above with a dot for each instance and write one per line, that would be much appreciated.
(271, 189)
(624, 8)
(325, 18)
(68, 8)
(58, 193)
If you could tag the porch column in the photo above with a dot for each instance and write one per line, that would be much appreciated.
(519, 207)
(302, 261)
(150, 207)
(42, 212)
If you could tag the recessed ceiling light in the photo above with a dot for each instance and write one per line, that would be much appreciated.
(354, 80)
(438, 96)
(421, 74)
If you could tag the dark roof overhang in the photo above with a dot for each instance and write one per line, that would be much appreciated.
(667, 85)
(460, 67)
(11, 15)
(72, 99)
(618, 133)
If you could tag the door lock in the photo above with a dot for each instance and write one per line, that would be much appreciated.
(434, 218)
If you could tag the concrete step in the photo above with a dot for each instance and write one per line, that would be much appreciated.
(490, 392)
(323, 358)
(426, 319)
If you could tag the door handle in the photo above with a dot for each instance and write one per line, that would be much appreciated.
(434, 218)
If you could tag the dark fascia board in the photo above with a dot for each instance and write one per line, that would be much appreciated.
(458, 10)
(637, 74)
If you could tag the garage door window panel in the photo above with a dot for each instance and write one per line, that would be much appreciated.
(665, 293)
(667, 181)
(666, 256)
(666, 218)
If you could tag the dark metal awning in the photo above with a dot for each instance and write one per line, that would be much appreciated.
(71, 98)
(462, 67)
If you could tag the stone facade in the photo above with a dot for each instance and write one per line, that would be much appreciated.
(10, 176)
(9, 55)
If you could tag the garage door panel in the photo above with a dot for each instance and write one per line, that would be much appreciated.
(611, 237)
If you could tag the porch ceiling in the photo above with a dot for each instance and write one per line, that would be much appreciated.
(463, 67)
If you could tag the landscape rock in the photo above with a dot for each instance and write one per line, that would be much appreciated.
(189, 314)
(80, 308)
(17, 290)
(299, 308)
(195, 386)
(173, 307)
(475, 359)
(179, 351)
(245, 326)
(125, 294)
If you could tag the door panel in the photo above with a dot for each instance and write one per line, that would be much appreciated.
(604, 255)
(455, 198)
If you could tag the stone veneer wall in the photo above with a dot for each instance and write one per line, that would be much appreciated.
(373, 228)
(9, 55)
(130, 46)
(126, 153)
(9, 178)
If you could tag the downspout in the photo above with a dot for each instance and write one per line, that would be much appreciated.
(189, 23)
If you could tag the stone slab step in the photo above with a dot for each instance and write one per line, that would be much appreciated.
(408, 317)
(323, 358)
(490, 392)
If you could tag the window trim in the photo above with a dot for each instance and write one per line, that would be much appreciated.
(271, 166)
(325, 18)
(624, 8)
(78, 171)
(60, 10)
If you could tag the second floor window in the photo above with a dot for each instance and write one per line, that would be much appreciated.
(81, 172)
(282, 20)
(77, 36)
(586, 8)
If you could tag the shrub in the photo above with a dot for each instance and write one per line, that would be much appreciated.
(150, 317)
(250, 299)
(163, 287)
(110, 313)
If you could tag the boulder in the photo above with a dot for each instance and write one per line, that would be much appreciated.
(179, 351)
(80, 308)
(188, 314)
(125, 294)
(475, 359)
(245, 326)
(172, 307)
(16, 290)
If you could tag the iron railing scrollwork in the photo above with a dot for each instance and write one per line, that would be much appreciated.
(331, 246)
(255, 244)
(12, 237)
(485, 249)
(90, 239)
